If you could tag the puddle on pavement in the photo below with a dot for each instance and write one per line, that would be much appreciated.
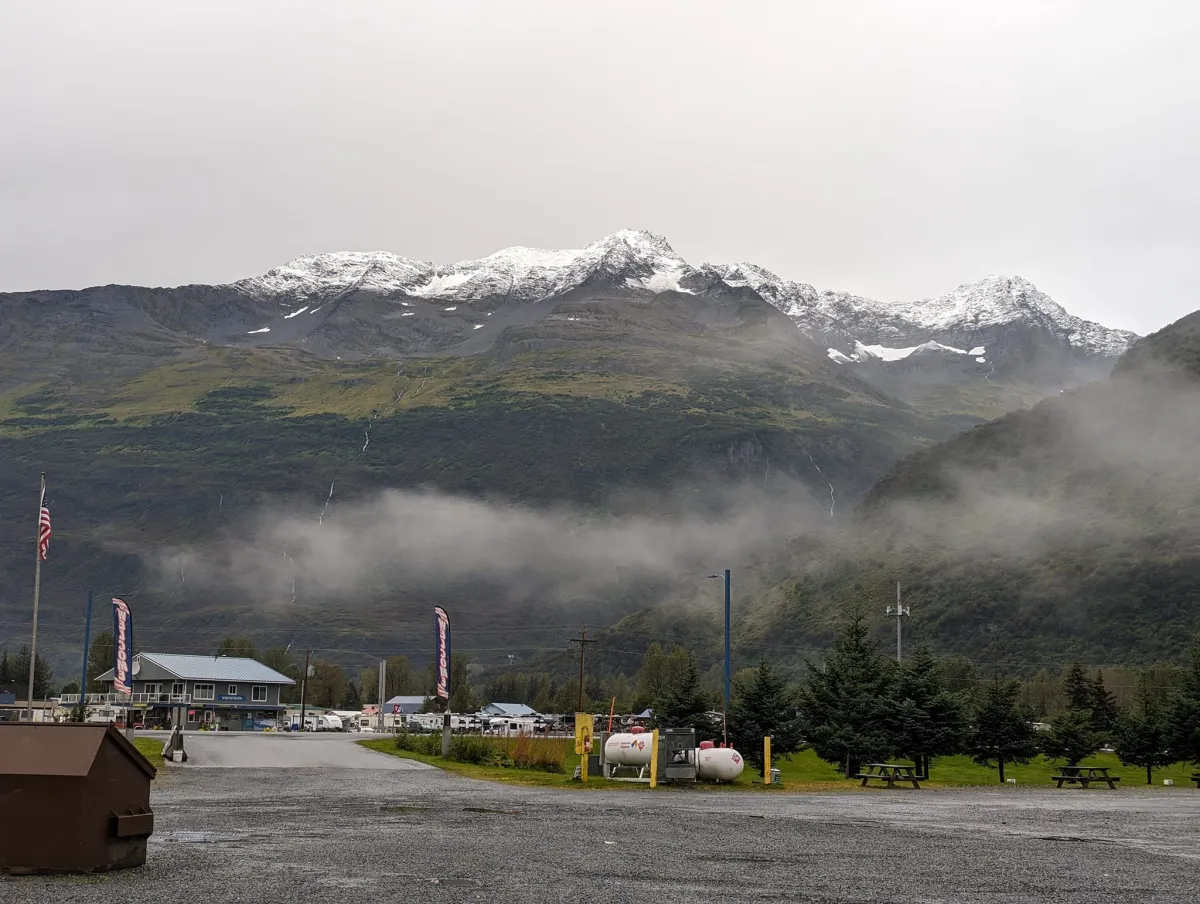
(490, 810)
(198, 837)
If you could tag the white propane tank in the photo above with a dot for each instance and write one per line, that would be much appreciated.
(628, 749)
(722, 764)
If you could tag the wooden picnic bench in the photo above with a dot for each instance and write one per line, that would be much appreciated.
(1085, 776)
(890, 773)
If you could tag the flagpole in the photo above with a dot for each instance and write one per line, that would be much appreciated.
(37, 592)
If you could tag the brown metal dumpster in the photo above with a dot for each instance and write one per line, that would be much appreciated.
(73, 798)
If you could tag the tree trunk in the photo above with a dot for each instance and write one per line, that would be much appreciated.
(851, 767)
(1001, 761)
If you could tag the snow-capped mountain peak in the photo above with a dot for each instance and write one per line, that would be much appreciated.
(982, 313)
(642, 260)
(318, 274)
(792, 298)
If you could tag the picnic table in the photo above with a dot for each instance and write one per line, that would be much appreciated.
(1085, 775)
(890, 773)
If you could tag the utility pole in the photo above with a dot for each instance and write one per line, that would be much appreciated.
(899, 612)
(382, 692)
(304, 687)
(583, 642)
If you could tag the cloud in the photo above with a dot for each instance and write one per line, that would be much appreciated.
(424, 541)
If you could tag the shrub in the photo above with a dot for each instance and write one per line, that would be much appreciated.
(541, 754)
(429, 745)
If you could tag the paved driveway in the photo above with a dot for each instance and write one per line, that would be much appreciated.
(285, 750)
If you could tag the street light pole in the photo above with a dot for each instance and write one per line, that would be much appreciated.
(899, 611)
(728, 658)
(83, 679)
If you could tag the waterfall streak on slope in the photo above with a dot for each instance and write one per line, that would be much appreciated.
(321, 520)
(832, 497)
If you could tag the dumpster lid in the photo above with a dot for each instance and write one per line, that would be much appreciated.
(60, 748)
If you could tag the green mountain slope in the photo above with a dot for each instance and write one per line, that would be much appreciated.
(1067, 531)
(155, 443)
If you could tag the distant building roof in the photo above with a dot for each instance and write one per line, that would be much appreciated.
(407, 704)
(509, 709)
(187, 667)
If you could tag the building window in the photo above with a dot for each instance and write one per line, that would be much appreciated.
(191, 715)
(150, 689)
(258, 694)
(232, 690)
(177, 689)
(208, 717)
(205, 691)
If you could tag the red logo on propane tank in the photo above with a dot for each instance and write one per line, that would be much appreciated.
(641, 745)
(736, 758)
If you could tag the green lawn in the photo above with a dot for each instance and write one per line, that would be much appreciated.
(151, 749)
(957, 771)
(805, 772)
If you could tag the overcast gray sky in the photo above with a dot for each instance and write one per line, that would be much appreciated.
(890, 149)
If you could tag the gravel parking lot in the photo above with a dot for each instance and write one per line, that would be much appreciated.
(313, 818)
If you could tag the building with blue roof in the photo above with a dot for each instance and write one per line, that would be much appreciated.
(226, 693)
(509, 710)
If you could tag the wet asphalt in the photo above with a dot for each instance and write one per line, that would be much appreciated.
(317, 819)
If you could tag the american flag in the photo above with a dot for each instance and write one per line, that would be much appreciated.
(43, 529)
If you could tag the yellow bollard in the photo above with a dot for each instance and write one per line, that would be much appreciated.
(767, 760)
(654, 758)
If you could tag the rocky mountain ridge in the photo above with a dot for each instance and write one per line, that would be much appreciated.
(639, 262)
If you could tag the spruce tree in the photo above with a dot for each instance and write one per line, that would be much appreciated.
(1105, 711)
(352, 699)
(5, 670)
(100, 660)
(1141, 734)
(1183, 714)
(43, 676)
(1002, 733)
(1077, 689)
(684, 705)
(928, 720)
(1072, 737)
(764, 705)
(845, 705)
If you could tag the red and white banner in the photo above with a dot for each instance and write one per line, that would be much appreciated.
(122, 647)
(441, 656)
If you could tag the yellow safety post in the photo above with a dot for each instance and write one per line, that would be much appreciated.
(767, 760)
(654, 758)
(583, 741)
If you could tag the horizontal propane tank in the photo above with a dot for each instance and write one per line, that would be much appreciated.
(722, 764)
(628, 749)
